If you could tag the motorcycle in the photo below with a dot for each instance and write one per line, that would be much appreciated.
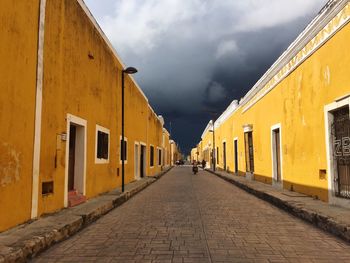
(195, 169)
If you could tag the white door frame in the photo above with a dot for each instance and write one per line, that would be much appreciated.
(332, 199)
(273, 155)
(71, 119)
(234, 152)
(144, 158)
(137, 160)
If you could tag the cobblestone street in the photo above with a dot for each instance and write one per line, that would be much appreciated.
(198, 218)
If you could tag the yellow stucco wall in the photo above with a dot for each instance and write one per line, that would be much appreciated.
(83, 78)
(166, 149)
(155, 140)
(78, 85)
(297, 104)
(82, 82)
(18, 56)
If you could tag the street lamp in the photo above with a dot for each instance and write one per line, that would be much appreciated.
(129, 71)
(213, 153)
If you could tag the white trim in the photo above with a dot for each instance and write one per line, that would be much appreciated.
(208, 128)
(137, 164)
(83, 123)
(235, 139)
(290, 58)
(38, 110)
(231, 109)
(332, 199)
(127, 151)
(144, 158)
(107, 131)
(247, 128)
(273, 155)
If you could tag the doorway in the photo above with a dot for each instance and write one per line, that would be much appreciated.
(71, 162)
(142, 166)
(249, 152)
(137, 162)
(236, 155)
(76, 161)
(276, 156)
(224, 154)
(340, 129)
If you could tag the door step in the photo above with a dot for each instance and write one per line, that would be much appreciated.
(75, 198)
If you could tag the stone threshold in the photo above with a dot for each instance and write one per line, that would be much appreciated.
(24, 242)
(330, 218)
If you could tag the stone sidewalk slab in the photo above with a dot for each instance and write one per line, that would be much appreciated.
(25, 241)
(333, 219)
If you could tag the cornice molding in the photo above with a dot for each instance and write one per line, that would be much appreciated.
(227, 113)
(334, 16)
(209, 126)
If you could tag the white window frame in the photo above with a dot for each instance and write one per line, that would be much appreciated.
(275, 127)
(328, 117)
(107, 131)
(127, 151)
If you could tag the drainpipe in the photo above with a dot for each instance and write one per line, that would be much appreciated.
(38, 110)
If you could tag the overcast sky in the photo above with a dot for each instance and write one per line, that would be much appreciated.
(195, 56)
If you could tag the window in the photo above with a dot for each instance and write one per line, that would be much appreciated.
(159, 157)
(249, 151)
(124, 149)
(151, 156)
(102, 145)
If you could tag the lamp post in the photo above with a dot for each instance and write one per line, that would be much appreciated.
(129, 71)
(213, 153)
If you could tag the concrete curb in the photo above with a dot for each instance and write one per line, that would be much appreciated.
(24, 242)
(322, 221)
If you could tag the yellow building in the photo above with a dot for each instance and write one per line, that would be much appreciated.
(61, 112)
(174, 152)
(292, 128)
(193, 155)
(18, 66)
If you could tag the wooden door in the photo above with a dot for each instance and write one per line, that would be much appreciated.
(236, 156)
(278, 154)
(341, 151)
(142, 161)
(71, 161)
(249, 151)
(224, 154)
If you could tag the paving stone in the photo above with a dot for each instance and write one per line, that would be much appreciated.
(198, 218)
(333, 219)
(27, 240)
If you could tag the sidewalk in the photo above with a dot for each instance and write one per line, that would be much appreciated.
(25, 241)
(333, 219)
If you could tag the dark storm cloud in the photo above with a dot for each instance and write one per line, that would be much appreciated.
(195, 56)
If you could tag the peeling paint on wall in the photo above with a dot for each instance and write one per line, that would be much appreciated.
(10, 165)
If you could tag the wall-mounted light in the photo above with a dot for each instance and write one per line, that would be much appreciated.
(91, 56)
